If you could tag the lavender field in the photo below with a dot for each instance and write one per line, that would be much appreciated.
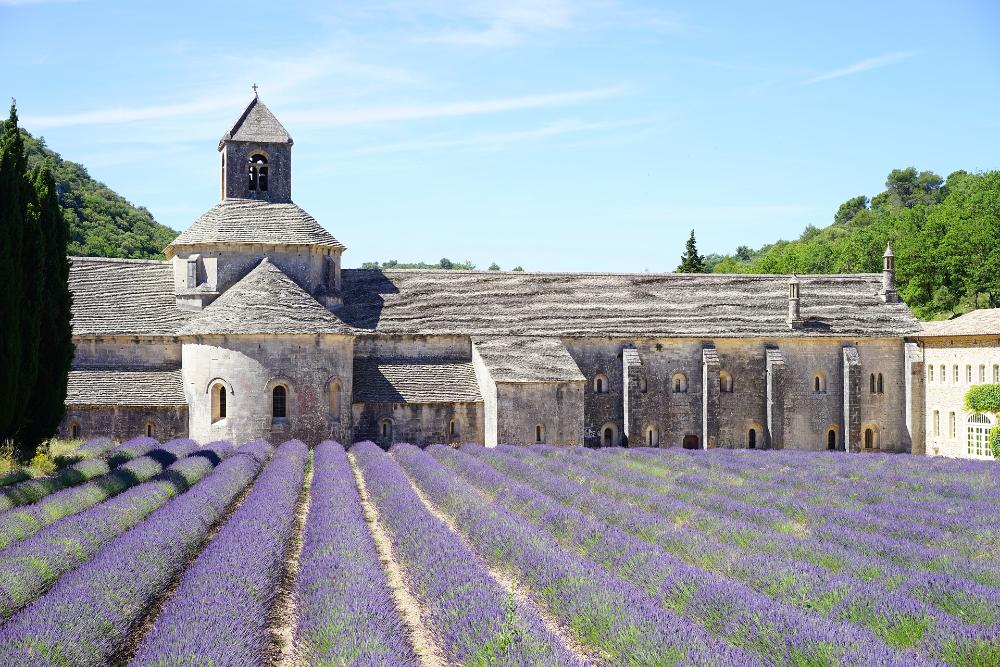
(212, 554)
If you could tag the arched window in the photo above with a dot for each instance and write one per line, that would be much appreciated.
(978, 431)
(937, 423)
(954, 373)
(608, 437)
(996, 373)
(385, 430)
(150, 430)
(652, 436)
(952, 430)
(279, 402)
(869, 438)
(257, 172)
(819, 383)
(880, 385)
(871, 383)
(968, 373)
(335, 399)
(752, 439)
(930, 374)
(74, 430)
(831, 439)
(453, 429)
(218, 402)
(539, 433)
(601, 384)
(725, 382)
(680, 383)
(982, 373)
(642, 385)
(944, 375)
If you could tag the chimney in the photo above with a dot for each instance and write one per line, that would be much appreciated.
(794, 314)
(888, 292)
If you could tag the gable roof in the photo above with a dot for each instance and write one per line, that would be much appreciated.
(257, 124)
(414, 381)
(982, 322)
(527, 359)
(265, 301)
(129, 297)
(253, 221)
(629, 305)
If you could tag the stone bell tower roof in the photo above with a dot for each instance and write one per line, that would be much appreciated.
(257, 125)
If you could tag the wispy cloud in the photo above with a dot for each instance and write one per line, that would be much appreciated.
(465, 108)
(493, 141)
(500, 23)
(863, 66)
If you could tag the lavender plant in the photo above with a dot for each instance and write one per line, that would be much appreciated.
(474, 620)
(347, 615)
(86, 617)
(219, 612)
(30, 566)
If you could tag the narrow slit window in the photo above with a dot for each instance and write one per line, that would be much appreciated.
(279, 402)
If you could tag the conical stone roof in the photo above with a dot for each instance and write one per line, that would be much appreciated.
(252, 221)
(265, 301)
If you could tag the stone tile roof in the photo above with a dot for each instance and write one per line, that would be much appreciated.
(489, 303)
(252, 221)
(527, 359)
(123, 297)
(257, 124)
(414, 381)
(129, 387)
(982, 322)
(265, 301)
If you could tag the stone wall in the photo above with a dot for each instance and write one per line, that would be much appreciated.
(123, 423)
(945, 396)
(126, 352)
(234, 163)
(418, 423)
(429, 348)
(250, 367)
(556, 406)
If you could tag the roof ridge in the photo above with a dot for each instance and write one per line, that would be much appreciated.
(727, 276)
(118, 260)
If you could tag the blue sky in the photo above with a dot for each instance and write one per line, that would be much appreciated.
(554, 134)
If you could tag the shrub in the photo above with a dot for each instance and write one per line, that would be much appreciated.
(42, 463)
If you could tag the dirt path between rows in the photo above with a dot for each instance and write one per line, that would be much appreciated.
(281, 650)
(509, 584)
(410, 609)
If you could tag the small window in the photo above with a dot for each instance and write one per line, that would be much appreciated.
(335, 399)
(880, 385)
(937, 423)
(601, 384)
(944, 375)
(642, 385)
(680, 383)
(951, 424)
(219, 399)
(831, 439)
(968, 373)
(819, 383)
(725, 382)
(453, 429)
(385, 430)
(257, 173)
(539, 433)
(996, 373)
(871, 384)
(955, 373)
(608, 436)
(150, 430)
(870, 442)
(752, 439)
(652, 436)
(74, 431)
(930, 374)
(982, 373)
(279, 402)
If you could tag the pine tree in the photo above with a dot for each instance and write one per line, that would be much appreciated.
(13, 210)
(55, 337)
(691, 261)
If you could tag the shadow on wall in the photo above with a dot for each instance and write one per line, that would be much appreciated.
(362, 291)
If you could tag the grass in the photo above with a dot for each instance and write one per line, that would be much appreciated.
(50, 455)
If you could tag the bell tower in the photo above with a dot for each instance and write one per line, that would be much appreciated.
(256, 156)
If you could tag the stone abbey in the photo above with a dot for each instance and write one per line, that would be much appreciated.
(252, 329)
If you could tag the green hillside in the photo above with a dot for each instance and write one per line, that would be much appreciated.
(102, 223)
(945, 233)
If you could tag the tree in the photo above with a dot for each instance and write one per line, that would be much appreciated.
(518, 268)
(691, 261)
(446, 263)
(907, 188)
(850, 209)
(55, 337)
(13, 210)
(494, 267)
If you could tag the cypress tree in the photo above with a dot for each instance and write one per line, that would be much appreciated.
(48, 398)
(13, 211)
(691, 261)
(32, 310)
